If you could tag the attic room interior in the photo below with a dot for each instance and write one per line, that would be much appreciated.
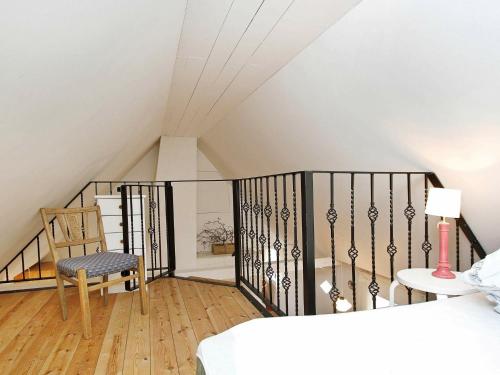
(249, 187)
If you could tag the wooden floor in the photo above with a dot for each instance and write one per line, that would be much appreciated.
(35, 340)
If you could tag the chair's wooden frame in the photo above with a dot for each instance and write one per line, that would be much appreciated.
(75, 235)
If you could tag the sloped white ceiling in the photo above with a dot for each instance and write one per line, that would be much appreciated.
(406, 85)
(78, 81)
(228, 48)
(84, 86)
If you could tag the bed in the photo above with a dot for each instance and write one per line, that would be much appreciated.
(455, 336)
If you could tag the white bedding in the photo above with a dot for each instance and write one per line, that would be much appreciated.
(455, 336)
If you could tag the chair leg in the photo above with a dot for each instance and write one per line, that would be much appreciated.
(142, 287)
(84, 303)
(105, 290)
(62, 296)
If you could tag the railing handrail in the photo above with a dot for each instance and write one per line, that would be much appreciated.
(278, 174)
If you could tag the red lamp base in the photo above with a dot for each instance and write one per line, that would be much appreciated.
(443, 268)
(443, 273)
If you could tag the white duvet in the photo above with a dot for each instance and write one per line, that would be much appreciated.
(455, 336)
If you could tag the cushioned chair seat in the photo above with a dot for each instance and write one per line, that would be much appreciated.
(98, 264)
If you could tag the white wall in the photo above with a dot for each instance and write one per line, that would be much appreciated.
(145, 169)
(179, 159)
(78, 82)
(408, 85)
(214, 198)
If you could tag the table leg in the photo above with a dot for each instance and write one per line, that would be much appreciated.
(441, 296)
(393, 287)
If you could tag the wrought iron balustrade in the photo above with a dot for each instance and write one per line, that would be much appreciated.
(373, 221)
(28, 263)
(290, 229)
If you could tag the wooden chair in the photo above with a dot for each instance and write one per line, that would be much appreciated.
(74, 225)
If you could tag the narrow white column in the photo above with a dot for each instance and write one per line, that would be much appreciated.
(177, 160)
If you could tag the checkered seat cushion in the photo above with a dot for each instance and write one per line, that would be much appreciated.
(98, 264)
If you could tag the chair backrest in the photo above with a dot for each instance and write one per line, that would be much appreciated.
(74, 226)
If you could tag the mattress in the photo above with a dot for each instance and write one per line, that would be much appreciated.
(455, 336)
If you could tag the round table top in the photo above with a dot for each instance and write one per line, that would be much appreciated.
(422, 279)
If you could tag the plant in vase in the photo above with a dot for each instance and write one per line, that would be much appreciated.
(217, 235)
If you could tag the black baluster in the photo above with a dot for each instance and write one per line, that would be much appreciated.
(245, 209)
(353, 252)
(391, 248)
(95, 188)
(83, 230)
(159, 228)
(242, 232)
(256, 210)
(308, 242)
(251, 233)
(38, 254)
(143, 248)
(22, 264)
(125, 229)
(53, 229)
(131, 210)
(285, 215)
(268, 211)
(409, 213)
(262, 238)
(331, 217)
(110, 188)
(152, 230)
(457, 242)
(373, 288)
(471, 254)
(277, 242)
(426, 245)
(169, 226)
(236, 192)
(295, 251)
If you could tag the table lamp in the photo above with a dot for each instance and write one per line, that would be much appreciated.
(444, 203)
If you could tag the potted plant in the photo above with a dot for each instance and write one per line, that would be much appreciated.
(217, 235)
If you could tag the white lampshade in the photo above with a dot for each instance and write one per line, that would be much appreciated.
(443, 202)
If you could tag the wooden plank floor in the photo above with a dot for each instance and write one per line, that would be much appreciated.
(35, 340)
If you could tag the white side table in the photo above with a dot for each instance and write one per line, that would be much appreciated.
(422, 279)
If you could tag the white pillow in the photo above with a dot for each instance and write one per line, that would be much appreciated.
(485, 276)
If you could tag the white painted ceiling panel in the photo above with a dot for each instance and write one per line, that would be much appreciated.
(203, 19)
(187, 69)
(236, 25)
(264, 22)
(295, 30)
(242, 43)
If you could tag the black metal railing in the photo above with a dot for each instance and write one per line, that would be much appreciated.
(276, 233)
(372, 222)
(148, 227)
(26, 265)
(292, 230)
